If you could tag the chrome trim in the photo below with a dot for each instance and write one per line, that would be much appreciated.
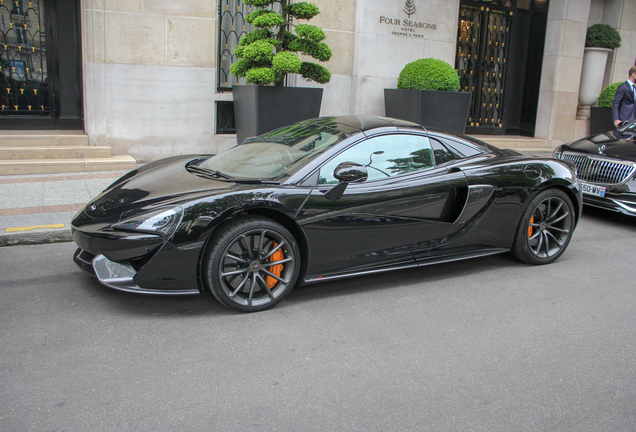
(600, 170)
(625, 206)
(120, 276)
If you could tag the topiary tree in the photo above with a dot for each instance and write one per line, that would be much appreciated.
(606, 98)
(429, 74)
(267, 54)
(602, 36)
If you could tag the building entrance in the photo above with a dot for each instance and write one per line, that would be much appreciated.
(40, 64)
(499, 58)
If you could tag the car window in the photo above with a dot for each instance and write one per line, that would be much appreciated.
(460, 148)
(442, 154)
(384, 156)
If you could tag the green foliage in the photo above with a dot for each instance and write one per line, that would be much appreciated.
(259, 53)
(265, 18)
(318, 50)
(310, 32)
(606, 98)
(315, 72)
(429, 74)
(286, 62)
(259, 3)
(260, 76)
(239, 68)
(602, 36)
(303, 10)
(267, 54)
(253, 36)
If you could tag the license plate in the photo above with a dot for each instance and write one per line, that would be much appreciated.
(592, 189)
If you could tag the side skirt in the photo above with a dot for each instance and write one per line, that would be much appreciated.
(438, 259)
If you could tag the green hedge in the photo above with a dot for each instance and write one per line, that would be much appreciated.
(606, 98)
(602, 36)
(429, 74)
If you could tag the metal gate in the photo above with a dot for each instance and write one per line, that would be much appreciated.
(40, 65)
(481, 62)
(24, 79)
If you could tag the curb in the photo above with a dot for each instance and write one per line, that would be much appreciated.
(23, 238)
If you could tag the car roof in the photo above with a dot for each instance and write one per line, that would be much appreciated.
(352, 124)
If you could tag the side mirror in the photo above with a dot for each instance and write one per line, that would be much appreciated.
(346, 172)
(351, 172)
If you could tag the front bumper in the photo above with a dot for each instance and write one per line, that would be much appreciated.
(118, 275)
(137, 262)
(623, 203)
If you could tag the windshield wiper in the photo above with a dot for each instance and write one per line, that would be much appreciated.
(218, 175)
(255, 181)
(207, 173)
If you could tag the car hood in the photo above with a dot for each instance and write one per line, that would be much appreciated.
(605, 144)
(162, 182)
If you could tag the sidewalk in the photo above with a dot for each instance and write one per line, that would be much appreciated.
(38, 208)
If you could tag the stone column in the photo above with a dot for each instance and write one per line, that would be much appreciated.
(561, 74)
(621, 14)
(149, 74)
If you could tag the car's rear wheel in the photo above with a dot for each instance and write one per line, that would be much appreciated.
(251, 264)
(545, 228)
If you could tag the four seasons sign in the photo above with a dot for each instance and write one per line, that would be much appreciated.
(407, 27)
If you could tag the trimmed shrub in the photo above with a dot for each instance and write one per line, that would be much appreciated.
(429, 74)
(606, 98)
(602, 36)
(267, 54)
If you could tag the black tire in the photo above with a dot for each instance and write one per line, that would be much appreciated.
(545, 228)
(241, 264)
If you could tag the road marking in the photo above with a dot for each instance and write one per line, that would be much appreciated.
(34, 227)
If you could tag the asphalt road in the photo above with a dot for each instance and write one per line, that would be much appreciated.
(483, 345)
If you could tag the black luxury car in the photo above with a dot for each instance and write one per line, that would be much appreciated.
(606, 166)
(318, 200)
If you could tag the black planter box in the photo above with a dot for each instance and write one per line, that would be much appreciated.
(601, 120)
(440, 109)
(260, 109)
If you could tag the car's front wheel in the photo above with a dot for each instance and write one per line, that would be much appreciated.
(545, 228)
(251, 264)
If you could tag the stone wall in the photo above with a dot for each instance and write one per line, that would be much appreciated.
(149, 75)
(150, 65)
(386, 39)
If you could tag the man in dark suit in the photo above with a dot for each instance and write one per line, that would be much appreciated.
(624, 108)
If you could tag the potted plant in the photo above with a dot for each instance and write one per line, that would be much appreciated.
(428, 94)
(600, 40)
(601, 116)
(266, 55)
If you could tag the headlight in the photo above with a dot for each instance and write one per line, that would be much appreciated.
(162, 221)
(557, 153)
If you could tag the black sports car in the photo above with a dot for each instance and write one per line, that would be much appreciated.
(318, 200)
(606, 167)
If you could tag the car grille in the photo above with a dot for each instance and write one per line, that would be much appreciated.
(600, 170)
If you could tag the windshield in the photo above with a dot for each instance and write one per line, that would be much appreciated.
(275, 153)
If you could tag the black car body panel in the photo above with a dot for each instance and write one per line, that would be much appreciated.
(462, 207)
(607, 166)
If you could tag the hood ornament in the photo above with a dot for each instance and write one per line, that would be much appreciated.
(601, 149)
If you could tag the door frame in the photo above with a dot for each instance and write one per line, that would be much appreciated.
(64, 72)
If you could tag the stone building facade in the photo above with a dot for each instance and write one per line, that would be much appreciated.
(151, 82)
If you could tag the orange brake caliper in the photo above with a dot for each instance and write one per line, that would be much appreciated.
(277, 269)
(530, 226)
